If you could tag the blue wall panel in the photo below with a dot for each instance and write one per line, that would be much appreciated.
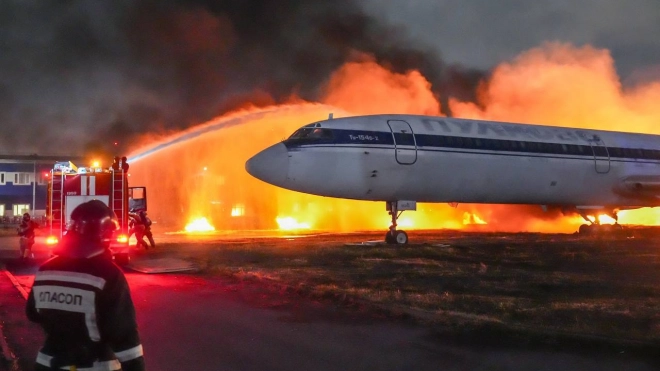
(11, 194)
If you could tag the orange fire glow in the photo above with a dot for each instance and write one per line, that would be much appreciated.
(290, 224)
(472, 218)
(199, 225)
(554, 84)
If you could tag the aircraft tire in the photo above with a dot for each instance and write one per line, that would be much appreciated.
(585, 229)
(401, 238)
(389, 239)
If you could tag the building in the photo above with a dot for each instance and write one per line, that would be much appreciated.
(23, 183)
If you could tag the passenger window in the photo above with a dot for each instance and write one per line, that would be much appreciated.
(614, 152)
(600, 151)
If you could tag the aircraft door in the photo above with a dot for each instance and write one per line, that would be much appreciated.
(601, 155)
(405, 146)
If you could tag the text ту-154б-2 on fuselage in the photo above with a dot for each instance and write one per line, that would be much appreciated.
(404, 159)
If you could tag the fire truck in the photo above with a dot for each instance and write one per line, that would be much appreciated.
(70, 186)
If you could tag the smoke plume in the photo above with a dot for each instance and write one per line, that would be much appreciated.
(93, 75)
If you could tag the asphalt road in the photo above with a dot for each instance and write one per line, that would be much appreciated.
(199, 322)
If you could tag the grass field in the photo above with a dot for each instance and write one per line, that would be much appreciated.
(552, 285)
(530, 286)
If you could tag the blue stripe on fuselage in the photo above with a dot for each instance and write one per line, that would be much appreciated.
(434, 142)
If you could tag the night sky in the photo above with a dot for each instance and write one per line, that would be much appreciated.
(76, 75)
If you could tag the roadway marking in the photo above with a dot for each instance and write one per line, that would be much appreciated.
(16, 284)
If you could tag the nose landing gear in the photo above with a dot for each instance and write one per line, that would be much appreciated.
(395, 208)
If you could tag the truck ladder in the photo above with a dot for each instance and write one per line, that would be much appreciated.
(57, 203)
(119, 201)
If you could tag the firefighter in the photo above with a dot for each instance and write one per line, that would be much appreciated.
(115, 163)
(136, 227)
(82, 300)
(26, 233)
(140, 224)
(146, 221)
(124, 164)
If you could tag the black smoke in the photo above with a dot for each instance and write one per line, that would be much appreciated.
(79, 75)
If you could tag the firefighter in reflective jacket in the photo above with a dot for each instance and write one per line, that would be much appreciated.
(82, 300)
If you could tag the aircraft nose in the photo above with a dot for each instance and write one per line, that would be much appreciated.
(270, 165)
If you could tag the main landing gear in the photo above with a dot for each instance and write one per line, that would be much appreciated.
(594, 226)
(395, 208)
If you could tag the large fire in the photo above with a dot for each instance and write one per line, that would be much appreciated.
(199, 225)
(290, 224)
(201, 171)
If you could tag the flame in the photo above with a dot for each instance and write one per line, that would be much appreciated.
(643, 216)
(367, 88)
(199, 225)
(472, 218)
(51, 240)
(290, 224)
(406, 222)
(553, 84)
(238, 210)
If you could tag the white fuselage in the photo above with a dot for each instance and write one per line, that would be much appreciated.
(437, 159)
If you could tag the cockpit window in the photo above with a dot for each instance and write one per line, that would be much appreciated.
(312, 133)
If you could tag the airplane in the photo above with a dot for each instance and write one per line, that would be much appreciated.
(405, 159)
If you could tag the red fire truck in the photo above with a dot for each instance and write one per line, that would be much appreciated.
(70, 186)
